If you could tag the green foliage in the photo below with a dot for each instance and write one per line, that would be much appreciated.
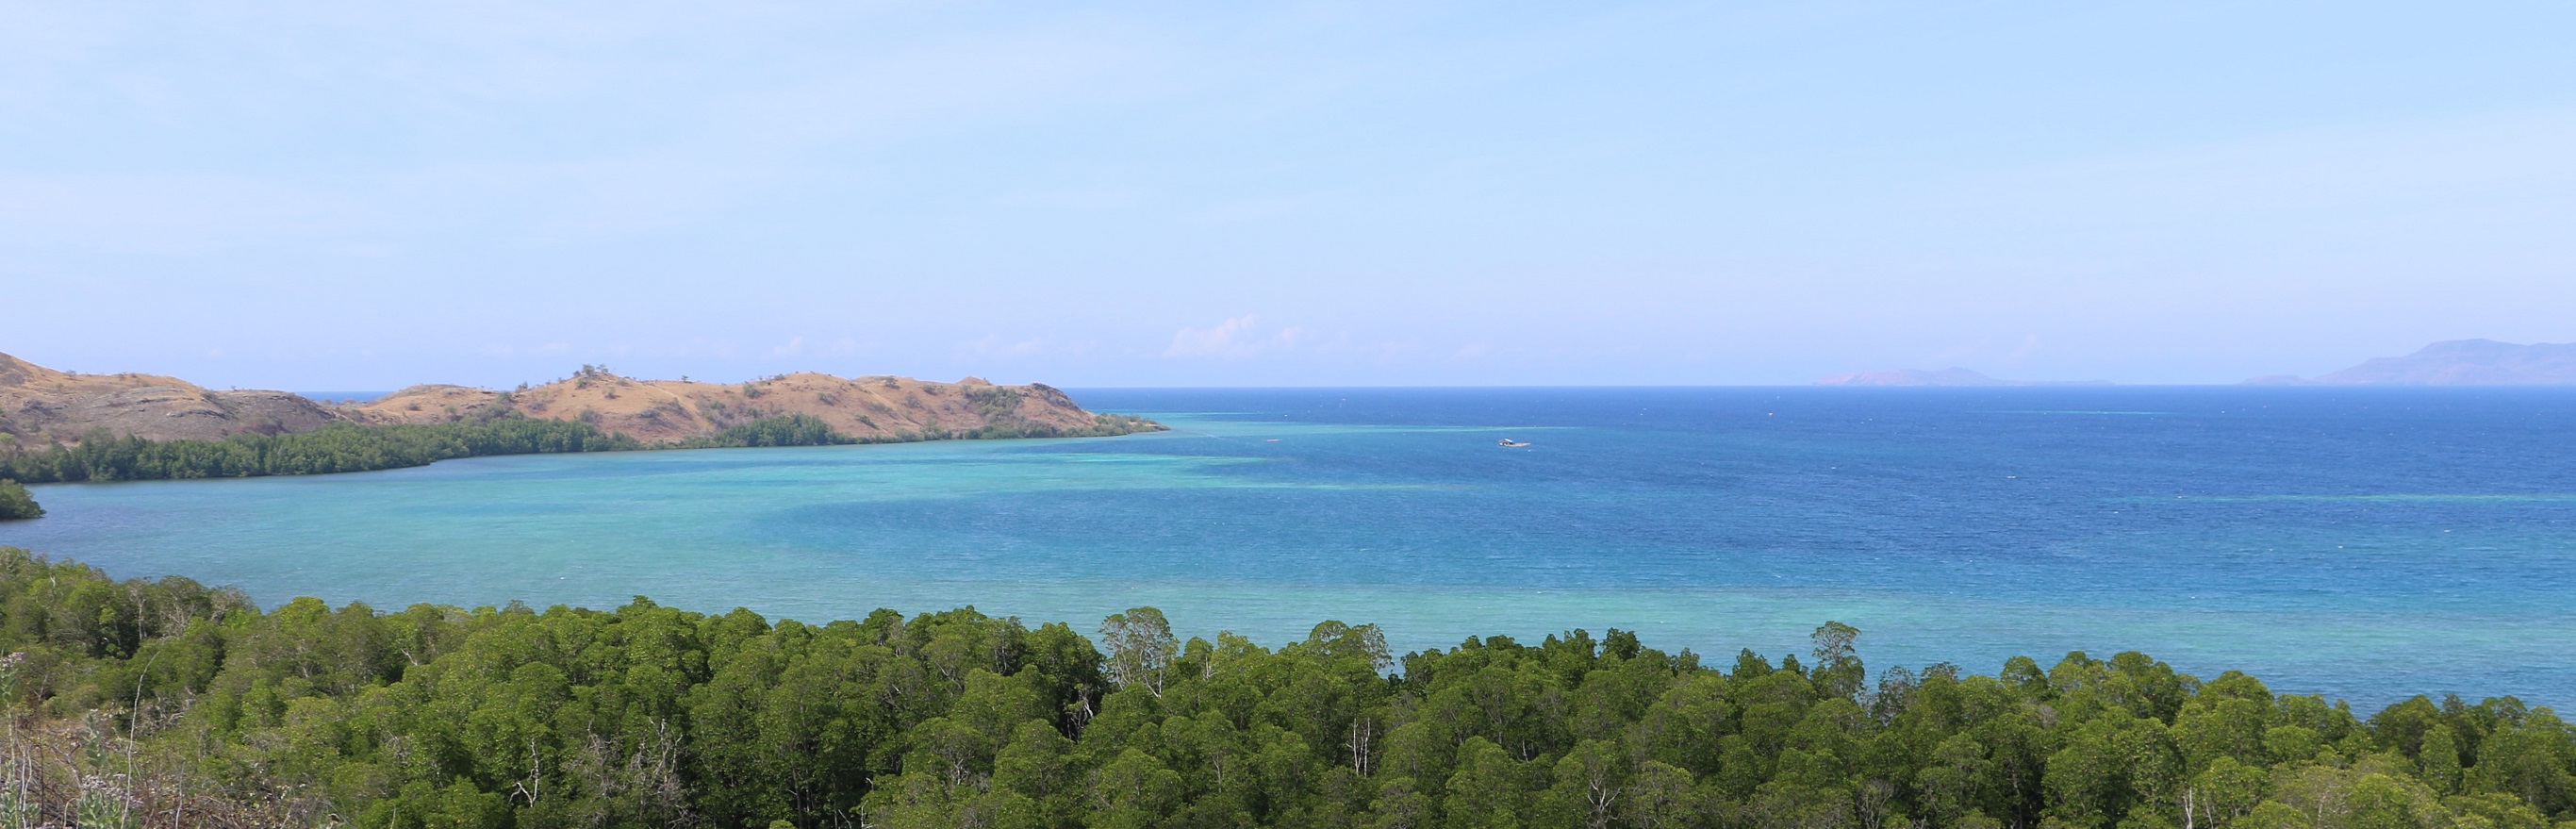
(494, 430)
(16, 503)
(339, 447)
(651, 716)
(1111, 425)
(994, 403)
(791, 430)
(808, 430)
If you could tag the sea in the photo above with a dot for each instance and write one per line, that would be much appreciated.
(2365, 544)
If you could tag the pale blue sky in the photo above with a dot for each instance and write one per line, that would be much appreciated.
(361, 196)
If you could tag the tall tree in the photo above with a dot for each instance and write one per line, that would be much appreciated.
(1141, 646)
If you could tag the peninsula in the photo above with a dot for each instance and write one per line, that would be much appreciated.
(868, 409)
(41, 407)
(60, 426)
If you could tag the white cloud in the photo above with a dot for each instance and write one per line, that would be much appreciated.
(1234, 338)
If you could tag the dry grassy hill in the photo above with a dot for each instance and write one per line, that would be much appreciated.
(40, 406)
(669, 411)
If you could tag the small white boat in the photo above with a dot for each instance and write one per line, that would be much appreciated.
(1511, 442)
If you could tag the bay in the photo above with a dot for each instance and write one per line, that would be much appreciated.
(2359, 543)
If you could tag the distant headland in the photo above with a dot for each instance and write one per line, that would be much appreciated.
(41, 407)
(2454, 363)
(668, 411)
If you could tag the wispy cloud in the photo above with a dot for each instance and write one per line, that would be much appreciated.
(997, 347)
(1234, 338)
(2029, 346)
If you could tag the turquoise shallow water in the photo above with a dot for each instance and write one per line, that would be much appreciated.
(2366, 544)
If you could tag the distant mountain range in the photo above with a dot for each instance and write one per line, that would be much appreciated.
(2454, 363)
(1953, 376)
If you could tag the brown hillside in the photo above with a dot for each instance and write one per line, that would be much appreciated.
(40, 406)
(669, 411)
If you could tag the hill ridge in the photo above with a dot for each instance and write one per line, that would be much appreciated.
(41, 406)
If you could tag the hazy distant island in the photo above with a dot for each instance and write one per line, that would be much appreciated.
(66, 426)
(1952, 376)
(2454, 363)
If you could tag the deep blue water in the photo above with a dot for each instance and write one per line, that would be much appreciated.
(2362, 543)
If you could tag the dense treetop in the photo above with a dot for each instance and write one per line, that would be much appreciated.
(340, 447)
(652, 716)
(347, 447)
(16, 503)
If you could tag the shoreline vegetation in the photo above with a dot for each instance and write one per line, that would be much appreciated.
(152, 703)
(351, 447)
(16, 503)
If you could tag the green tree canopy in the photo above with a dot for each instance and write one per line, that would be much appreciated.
(16, 503)
(175, 699)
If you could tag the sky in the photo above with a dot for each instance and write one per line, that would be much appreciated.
(338, 196)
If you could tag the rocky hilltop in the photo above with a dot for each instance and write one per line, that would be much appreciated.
(41, 406)
(2455, 363)
(668, 411)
